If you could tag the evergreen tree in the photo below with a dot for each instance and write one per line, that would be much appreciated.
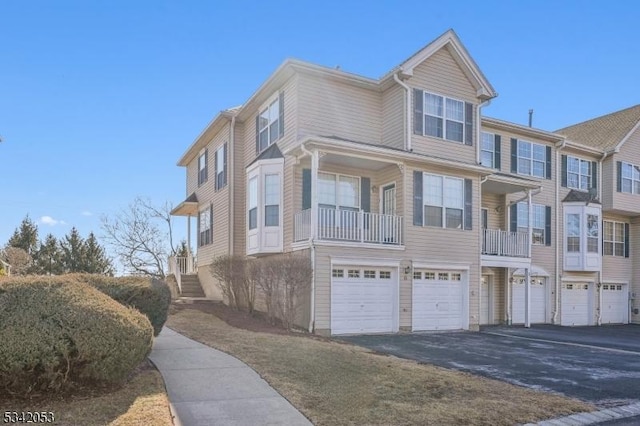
(95, 260)
(73, 252)
(25, 237)
(48, 260)
(182, 251)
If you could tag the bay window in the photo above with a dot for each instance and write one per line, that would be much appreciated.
(582, 236)
(573, 233)
(264, 206)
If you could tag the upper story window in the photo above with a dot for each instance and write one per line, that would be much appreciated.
(628, 178)
(205, 229)
(270, 123)
(490, 150)
(538, 223)
(443, 201)
(221, 167)
(578, 173)
(442, 117)
(203, 167)
(338, 191)
(531, 159)
(614, 241)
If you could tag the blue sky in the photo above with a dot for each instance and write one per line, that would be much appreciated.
(98, 100)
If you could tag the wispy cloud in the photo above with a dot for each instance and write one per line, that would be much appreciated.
(86, 213)
(48, 220)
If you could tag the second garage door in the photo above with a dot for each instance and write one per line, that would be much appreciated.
(438, 302)
(576, 304)
(538, 304)
(363, 300)
(615, 304)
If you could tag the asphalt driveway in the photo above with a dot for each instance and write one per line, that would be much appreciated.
(596, 364)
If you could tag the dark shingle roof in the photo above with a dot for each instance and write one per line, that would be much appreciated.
(579, 196)
(604, 132)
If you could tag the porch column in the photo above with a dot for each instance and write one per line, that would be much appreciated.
(189, 236)
(315, 159)
(527, 271)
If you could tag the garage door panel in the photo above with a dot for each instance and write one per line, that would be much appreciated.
(575, 304)
(615, 304)
(362, 305)
(538, 314)
(437, 303)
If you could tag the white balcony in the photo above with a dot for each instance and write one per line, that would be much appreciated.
(350, 226)
(505, 249)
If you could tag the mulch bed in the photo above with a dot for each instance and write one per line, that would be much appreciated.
(257, 322)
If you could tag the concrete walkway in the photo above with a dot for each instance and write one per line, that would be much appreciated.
(208, 387)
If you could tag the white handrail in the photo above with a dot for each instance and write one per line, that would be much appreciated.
(504, 243)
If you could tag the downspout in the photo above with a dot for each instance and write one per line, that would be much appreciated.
(599, 284)
(479, 128)
(231, 147)
(559, 242)
(407, 142)
(312, 247)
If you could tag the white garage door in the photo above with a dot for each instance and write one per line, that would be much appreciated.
(437, 300)
(615, 304)
(538, 304)
(363, 300)
(575, 304)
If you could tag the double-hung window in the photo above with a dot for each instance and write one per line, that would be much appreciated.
(630, 178)
(443, 201)
(221, 164)
(203, 166)
(338, 191)
(253, 203)
(573, 233)
(488, 150)
(532, 158)
(270, 123)
(578, 173)
(538, 224)
(205, 230)
(444, 117)
(613, 239)
(272, 200)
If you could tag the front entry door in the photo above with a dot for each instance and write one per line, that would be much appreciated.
(388, 222)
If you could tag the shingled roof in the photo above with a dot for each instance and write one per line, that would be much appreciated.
(604, 132)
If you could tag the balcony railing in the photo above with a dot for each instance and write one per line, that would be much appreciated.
(350, 225)
(503, 243)
(182, 265)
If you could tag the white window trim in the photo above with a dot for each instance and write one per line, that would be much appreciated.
(534, 229)
(275, 99)
(337, 189)
(613, 240)
(631, 179)
(531, 160)
(492, 151)
(442, 206)
(443, 117)
(589, 177)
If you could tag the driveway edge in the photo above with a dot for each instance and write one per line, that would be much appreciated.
(593, 417)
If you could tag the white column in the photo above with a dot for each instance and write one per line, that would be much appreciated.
(189, 236)
(314, 194)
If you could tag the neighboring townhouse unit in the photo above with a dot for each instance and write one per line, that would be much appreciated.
(416, 212)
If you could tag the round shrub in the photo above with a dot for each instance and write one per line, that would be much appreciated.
(150, 296)
(57, 332)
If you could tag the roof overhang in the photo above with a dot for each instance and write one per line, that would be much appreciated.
(188, 207)
(584, 148)
(503, 184)
(534, 271)
(377, 153)
(450, 41)
(218, 122)
(523, 130)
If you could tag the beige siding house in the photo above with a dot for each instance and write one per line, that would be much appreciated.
(417, 212)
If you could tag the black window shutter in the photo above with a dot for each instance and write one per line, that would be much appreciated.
(594, 174)
(468, 204)
(365, 194)
(215, 170)
(497, 149)
(468, 123)
(281, 118)
(626, 240)
(619, 176)
(224, 174)
(563, 178)
(258, 133)
(547, 225)
(548, 173)
(513, 217)
(514, 155)
(417, 198)
(418, 112)
(206, 165)
(306, 189)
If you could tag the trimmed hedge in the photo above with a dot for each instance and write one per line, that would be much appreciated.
(56, 332)
(150, 296)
